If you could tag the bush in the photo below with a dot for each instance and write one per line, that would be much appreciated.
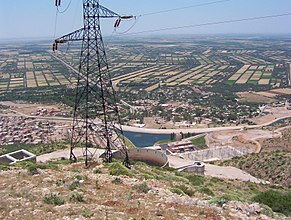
(117, 169)
(60, 182)
(97, 171)
(266, 210)
(32, 169)
(49, 165)
(142, 188)
(186, 190)
(220, 201)
(195, 180)
(170, 169)
(80, 177)
(74, 185)
(76, 197)
(75, 170)
(146, 176)
(277, 201)
(177, 191)
(87, 213)
(129, 196)
(4, 167)
(206, 190)
(53, 199)
(97, 185)
(117, 180)
(216, 180)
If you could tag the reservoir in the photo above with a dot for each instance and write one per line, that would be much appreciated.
(145, 140)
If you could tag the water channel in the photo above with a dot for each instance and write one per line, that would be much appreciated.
(145, 140)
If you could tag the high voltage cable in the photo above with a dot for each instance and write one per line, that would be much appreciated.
(68, 6)
(170, 10)
(212, 23)
(55, 25)
(186, 7)
(56, 17)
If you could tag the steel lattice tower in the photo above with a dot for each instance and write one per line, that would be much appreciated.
(96, 122)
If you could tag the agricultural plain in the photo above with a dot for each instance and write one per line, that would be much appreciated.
(147, 65)
(23, 68)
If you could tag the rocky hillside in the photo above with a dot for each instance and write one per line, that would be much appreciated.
(274, 167)
(282, 143)
(59, 190)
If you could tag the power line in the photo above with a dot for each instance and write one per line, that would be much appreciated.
(60, 12)
(129, 29)
(212, 23)
(55, 25)
(64, 11)
(187, 7)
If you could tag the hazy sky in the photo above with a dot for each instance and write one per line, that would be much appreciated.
(36, 18)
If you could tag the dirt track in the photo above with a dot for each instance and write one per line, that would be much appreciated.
(243, 138)
(217, 171)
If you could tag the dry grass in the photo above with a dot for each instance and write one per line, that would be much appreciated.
(271, 166)
(48, 195)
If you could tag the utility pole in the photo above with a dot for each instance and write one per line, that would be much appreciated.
(96, 122)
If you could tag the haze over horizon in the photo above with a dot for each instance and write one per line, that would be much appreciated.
(37, 19)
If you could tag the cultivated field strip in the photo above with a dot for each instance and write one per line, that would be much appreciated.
(155, 78)
(41, 81)
(167, 78)
(203, 60)
(246, 59)
(178, 76)
(242, 60)
(140, 73)
(197, 75)
(238, 74)
(208, 75)
(132, 61)
(202, 74)
(133, 74)
(30, 79)
(31, 70)
(172, 59)
(254, 74)
(190, 73)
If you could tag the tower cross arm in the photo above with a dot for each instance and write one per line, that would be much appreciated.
(74, 36)
(107, 13)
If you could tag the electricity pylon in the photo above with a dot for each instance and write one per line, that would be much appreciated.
(96, 122)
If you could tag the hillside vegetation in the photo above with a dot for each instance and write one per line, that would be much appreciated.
(282, 143)
(274, 166)
(59, 190)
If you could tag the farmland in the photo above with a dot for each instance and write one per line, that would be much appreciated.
(177, 81)
(151, 64)
(255, 74)
(30, 68)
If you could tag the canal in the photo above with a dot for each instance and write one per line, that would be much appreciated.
(145, 140)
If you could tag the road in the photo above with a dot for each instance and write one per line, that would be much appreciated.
(161, 131)
(157, 131)
(49, 118)
(66, 154)
(175, 162)
(222, 172)
(199, 130)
